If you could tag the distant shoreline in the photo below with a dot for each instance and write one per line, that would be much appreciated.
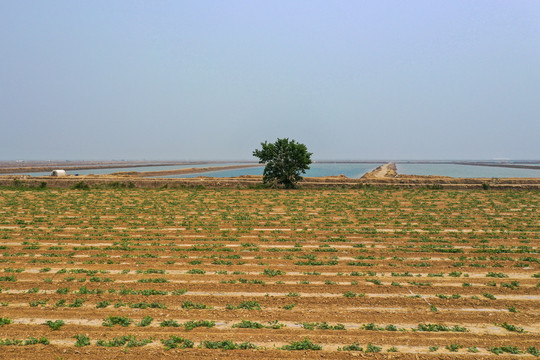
(255, 181)
(384, 176)
(93, 165)
(515, 166)
(12, 167)
(182, 171)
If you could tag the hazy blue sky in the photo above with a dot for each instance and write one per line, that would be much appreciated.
(212, 79)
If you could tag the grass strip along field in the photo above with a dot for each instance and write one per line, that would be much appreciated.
(289, 274)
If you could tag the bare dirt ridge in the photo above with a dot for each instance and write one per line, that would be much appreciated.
(182, 171)
(41, 167)
(249, 181)
(388, 170)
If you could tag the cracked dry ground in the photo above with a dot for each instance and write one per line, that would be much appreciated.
(128, 273)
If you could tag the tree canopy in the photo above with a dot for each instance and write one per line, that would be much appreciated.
(285, 160)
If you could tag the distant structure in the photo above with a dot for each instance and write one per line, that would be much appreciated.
(58, 173)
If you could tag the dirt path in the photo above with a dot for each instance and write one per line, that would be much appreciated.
(387, 170)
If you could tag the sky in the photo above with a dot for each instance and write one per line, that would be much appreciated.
(211, 80)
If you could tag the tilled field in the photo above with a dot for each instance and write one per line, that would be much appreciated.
(269, 274)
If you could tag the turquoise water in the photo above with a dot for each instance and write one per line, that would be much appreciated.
(221, 173)
(466, 171)
(350, 170)
(356, 170)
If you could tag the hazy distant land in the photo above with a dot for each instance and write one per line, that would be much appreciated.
(18, 167)
(387, 174)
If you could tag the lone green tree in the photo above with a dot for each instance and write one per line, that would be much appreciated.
(285, 160)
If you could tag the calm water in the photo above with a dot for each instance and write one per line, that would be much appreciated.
(466, 171)
(350, 170)
(113, 170)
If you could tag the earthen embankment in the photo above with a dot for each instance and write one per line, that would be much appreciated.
(388, 170)
(182, 171)
(250, 181)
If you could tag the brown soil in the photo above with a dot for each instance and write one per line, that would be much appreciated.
(408, 240)
(182, 171)
(247, 181)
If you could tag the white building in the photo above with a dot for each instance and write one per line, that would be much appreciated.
(58, 173)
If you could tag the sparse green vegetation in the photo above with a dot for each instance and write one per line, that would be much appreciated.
(82, 340)
(254, 253)
(55, 325)
(117, 320)
(174, 342)
(305, 344)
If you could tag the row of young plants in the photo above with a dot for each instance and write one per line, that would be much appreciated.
(177, 342)
(245, 305)
(454, 274)
(272, 241)
(220, 263)
(300, 242)
(248, 324)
